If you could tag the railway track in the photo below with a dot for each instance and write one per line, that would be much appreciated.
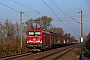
(50, 55)
(57, 54)
(10, 57)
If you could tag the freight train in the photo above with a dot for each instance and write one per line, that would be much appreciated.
(40, 40)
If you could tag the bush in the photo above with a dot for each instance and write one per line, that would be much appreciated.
(87, 44)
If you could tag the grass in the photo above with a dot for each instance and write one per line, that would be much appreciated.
(87, 53)
(77, 55)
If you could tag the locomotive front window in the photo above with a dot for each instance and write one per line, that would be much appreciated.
(37, 33)
(31, 33)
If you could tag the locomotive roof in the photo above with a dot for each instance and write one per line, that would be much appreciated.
(40, 29)
(34, 29)
(46, 32)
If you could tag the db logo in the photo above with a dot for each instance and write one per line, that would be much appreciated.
(34, 39)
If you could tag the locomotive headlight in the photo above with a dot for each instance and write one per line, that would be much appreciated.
(40, 41)
(30, 41)
(27, 41)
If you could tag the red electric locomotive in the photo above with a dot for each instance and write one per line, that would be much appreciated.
(38, 39)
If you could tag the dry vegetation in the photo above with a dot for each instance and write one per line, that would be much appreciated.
(10, 34)
(87, 45)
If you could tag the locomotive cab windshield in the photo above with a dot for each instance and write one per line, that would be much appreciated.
(34, 34)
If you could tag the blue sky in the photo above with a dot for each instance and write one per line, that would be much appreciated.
(70, 7)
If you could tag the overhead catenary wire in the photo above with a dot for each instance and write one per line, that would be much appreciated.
(27, 7)
(52, 10)
(70, 25)
(65, 13)
(14, 9)
(9, 7)
(55, 14)
(36, 14)
(19, 11)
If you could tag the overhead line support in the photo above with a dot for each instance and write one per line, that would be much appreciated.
(21, 31)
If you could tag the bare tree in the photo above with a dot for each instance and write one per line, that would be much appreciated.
(87, 42)
(17, 31)
(9, 29)
(72, 37)
(30, 24)
(44, 22)
(59, 31)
